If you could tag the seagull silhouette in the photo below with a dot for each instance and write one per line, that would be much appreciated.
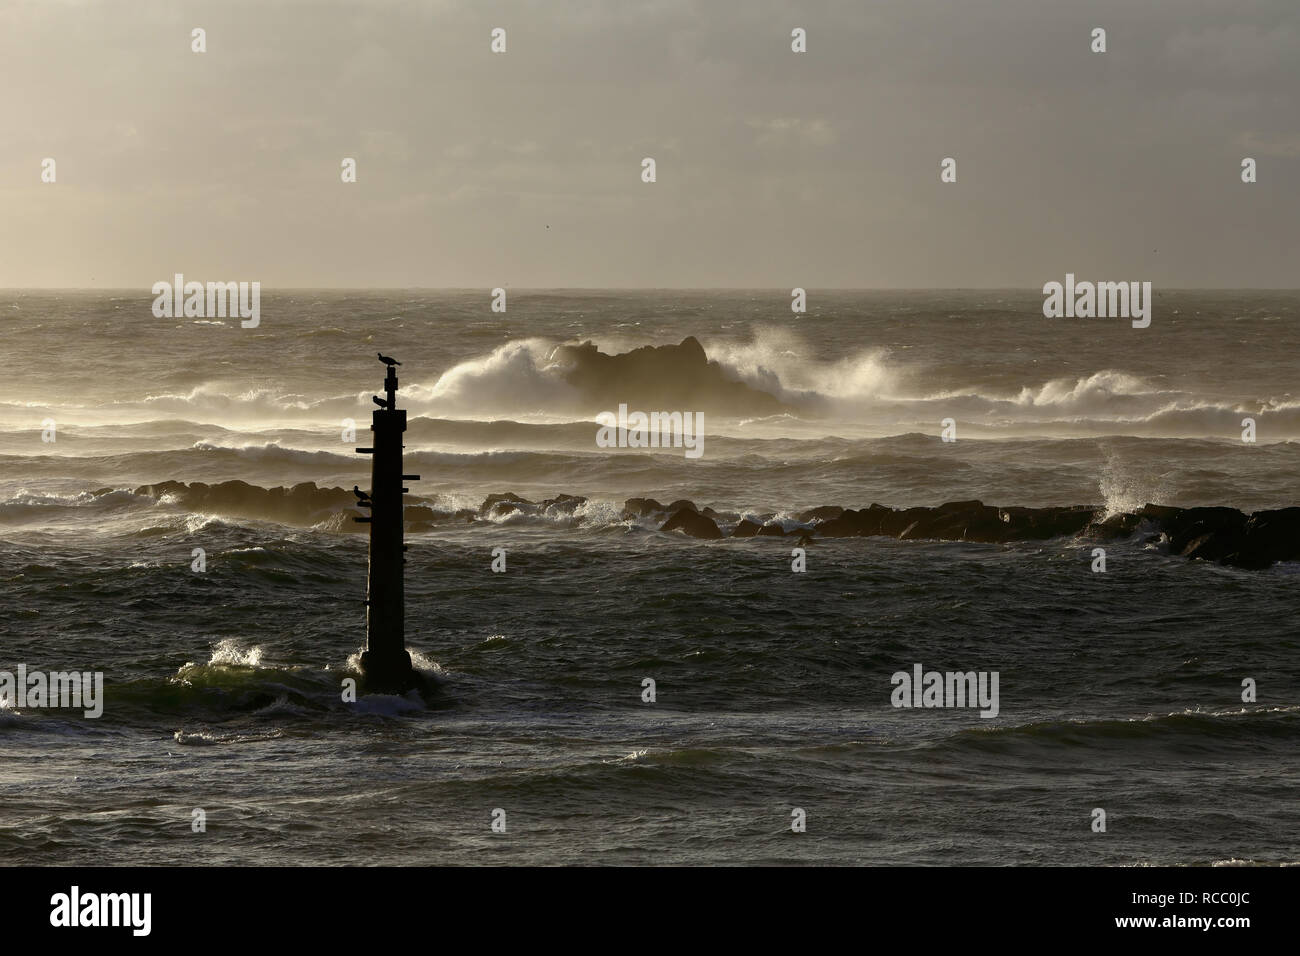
(386, 360)
(361, 495)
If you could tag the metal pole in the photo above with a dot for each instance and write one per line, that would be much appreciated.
(385, 663)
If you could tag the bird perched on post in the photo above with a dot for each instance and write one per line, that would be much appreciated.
(362, 497)
(386, 360)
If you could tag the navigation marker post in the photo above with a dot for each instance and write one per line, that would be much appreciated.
(385, 663)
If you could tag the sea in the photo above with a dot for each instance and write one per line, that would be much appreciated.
(615, 694)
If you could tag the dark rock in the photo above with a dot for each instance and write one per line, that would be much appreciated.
(569, 503)
(957, 521)
(848, 524)
(822, 513)
(854, 524)
(423, 515)
(1207, 547)
(1207, 533)
(1041, 524)
(1270, 536)
(1062, 522)
(304, 503)
(509, 496)
(639, 507)
(1225, 535)
(899, 523)
(660, 377)
(1115, 526)
(692, 523)
(1158, 513)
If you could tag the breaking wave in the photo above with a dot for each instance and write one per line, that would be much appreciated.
(768, 379)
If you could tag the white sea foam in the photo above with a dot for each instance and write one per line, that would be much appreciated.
(229, 652)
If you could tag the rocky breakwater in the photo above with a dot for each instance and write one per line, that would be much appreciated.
(1225, 535)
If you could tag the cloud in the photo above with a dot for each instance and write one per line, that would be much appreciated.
(1237, 50)
(792, 130)
(820, 165)
(1254, 143)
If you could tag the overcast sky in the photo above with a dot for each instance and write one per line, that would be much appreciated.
(775, 169)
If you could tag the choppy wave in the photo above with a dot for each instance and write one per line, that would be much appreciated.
(768, 382)
(1210, 729)
(238, 684)
(780, 386)
(1223, 534)
(769, 682)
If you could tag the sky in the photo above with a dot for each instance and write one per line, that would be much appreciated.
(774, 169)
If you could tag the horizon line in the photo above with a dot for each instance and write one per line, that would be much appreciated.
(620, 288)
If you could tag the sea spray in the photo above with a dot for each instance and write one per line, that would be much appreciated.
(655, 430)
